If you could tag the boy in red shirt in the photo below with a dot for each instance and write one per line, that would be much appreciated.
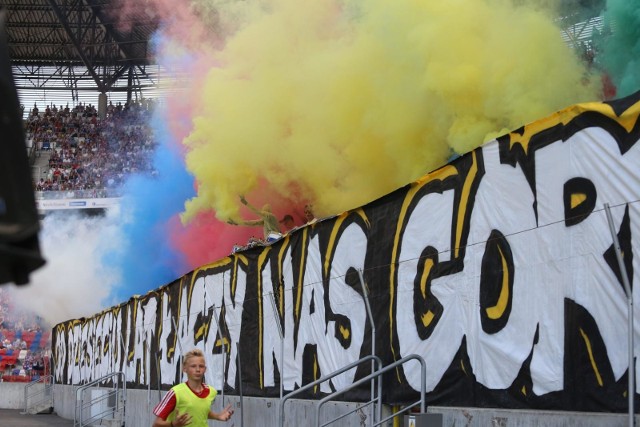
(189, 403)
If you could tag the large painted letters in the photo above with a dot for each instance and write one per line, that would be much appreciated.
(498, 269)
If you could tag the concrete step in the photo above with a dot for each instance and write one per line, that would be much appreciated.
(43, 408)
(41, 165)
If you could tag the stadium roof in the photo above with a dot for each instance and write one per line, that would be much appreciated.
(76, 45)
(76, 49)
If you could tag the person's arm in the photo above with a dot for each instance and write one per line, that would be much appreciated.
(250, 206)
(223, 415)
(159, 422)
(249, 222)
(163, 410)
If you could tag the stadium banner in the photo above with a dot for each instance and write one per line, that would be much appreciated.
(72, 203)
(498, 269)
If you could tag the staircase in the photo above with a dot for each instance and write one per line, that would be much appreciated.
(101, 402)
(40, 165)
(38, 396)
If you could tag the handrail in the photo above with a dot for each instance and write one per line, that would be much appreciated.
(372, 324)
(423, 385)
(47, 380)
(81, 406)
(352, 365)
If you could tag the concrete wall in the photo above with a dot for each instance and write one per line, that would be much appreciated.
(255, 412)
(477, 417)
(260, 412)
(11, 395)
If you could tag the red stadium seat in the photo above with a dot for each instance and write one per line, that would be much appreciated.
(28, 337)
(9, 334)
(16, 378)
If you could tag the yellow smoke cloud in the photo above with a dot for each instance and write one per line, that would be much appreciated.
(350, 101)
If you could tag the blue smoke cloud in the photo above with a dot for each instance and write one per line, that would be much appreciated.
(146, 259)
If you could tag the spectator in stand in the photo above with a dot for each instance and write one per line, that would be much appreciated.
(267, 219)
(287, 222)
(309, 216)
(89, 153)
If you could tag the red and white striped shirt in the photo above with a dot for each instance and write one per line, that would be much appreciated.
(168, 402)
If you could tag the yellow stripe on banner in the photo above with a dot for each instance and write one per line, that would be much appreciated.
(464, 199)
(428, 266)
(234, 283)
(577, 199)
(332, 242)
(220, 263)
(134, 317)
(590, 352)
(627, 120)
(201, 331)
(498, 310)
(315, 371)
(303, 265)
(440, 174)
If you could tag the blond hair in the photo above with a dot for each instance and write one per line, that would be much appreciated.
(196, 352)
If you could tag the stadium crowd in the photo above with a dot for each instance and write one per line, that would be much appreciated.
(25, 343)
(88, 157)
(89, 153)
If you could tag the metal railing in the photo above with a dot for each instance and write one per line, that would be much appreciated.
(373, 376)
(38, 395)
(102, 401)
(375, 359)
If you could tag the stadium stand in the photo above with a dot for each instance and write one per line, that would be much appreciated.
(89, 154)
(25, 343)
(88, 157)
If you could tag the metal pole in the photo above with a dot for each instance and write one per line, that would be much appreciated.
(149, 380)
(204, 342)
(240, 385)
(158, 374)
(627, 289)
(277, 318)
(365, 297)
(124, 352)
(206, 297)
(124, 382)
(224, 353)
